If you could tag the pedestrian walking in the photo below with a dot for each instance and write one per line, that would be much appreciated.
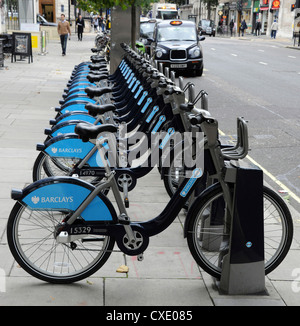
(103, 23)
(257, 28)
(95, 23)
(274, 29)
(243, 27)
(63, 29)
(80, 27)
(231, 25)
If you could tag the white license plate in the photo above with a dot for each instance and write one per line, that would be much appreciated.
(178, 65)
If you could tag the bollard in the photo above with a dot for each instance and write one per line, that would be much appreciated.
(43, 43)
(243, 267)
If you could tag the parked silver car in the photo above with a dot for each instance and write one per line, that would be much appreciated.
(207, 27)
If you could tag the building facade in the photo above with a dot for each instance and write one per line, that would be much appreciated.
(265, 11)
(15, 12)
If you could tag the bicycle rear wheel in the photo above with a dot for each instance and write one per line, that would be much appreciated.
(31, 239)
(46, 166)
(208, 241)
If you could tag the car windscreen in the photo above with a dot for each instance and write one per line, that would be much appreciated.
(205, 23)
(146, 29)
(176, 33)
(164, 14)
(41, 19)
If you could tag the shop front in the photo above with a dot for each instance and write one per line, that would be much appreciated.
(246, 14)
(264, 9)
(255, 16)
(275, 9)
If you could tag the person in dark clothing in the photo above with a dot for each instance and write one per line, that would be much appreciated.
(243, 27)
(257, 28)
(80, 27)
(231, 25)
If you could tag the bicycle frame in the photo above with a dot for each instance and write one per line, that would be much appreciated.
(148, 228)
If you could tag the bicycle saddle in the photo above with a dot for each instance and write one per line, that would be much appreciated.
(97, 91)
(102, 71)
(98, 59)
(95, 109)
(95, 78)
(86, 131)
(97, 66)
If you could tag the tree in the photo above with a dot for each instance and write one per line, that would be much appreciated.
(209, 5)
(96, 5)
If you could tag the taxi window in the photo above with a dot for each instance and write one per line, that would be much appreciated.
(176, 33)
(147, 29)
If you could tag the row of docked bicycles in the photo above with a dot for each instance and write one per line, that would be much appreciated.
(110, 131)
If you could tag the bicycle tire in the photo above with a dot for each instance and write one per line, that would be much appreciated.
(197, 234)
(40, 272)
(30, 236)
(42, 168)
(46, 166)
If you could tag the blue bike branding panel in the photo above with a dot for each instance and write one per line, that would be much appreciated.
(67, 196)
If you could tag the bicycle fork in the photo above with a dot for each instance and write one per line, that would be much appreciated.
(110, 182)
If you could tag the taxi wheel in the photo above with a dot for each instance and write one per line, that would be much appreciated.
(199, 72)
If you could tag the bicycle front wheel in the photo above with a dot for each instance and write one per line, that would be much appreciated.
(208, 234)
(31, 239)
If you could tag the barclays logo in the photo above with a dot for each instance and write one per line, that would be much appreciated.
(57, 199)
(54, 150)
(35, 199)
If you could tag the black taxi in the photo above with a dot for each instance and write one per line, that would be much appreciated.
(176, 44)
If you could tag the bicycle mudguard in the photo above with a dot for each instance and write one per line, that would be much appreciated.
(80, 84)
(79, 98)
(70, 146)
(73, 108)
(67, 127)
(65, 194)
(82, 116)
(76, 93)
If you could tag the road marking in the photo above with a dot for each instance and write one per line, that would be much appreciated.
(263, 63)
(291, 56)
(234, 55)
(271, 176)
(279, 183)
(261, 50)
(213, 49)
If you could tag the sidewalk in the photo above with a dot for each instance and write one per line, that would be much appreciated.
(168, 275)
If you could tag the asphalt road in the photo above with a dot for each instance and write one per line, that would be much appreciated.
(259, 80)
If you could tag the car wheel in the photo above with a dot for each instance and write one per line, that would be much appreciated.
(199, 72)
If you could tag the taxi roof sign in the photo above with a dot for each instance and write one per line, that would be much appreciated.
(175, 22)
